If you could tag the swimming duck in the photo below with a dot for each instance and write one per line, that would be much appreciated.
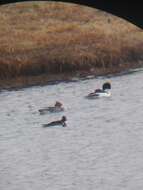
(56, 108)
(56, 123)
(104, 92)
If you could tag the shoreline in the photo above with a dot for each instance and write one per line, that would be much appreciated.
(51, 79)
(47, 43)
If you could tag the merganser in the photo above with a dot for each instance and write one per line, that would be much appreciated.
(56, 108)
(104, 92)
(58, 122)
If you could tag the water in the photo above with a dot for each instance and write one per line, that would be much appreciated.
(101, 148)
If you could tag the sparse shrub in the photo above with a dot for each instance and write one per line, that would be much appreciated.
(57, 38)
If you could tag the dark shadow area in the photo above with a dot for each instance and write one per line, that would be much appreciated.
(129, 10)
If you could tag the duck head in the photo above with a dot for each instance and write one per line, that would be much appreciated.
(64, 118)
(106, 86)
(58, 104)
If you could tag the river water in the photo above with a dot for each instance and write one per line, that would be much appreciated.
(100, 149)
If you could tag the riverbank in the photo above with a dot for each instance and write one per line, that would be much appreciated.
(43, 42)
(44, 79)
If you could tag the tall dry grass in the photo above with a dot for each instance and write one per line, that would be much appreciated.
(42, 37)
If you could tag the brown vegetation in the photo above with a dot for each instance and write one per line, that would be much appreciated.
(39, 38)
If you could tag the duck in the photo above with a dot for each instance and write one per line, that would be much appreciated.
(61, 122)
(104, 92)
(58, 107)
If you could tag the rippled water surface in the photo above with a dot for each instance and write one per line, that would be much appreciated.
(100, 149)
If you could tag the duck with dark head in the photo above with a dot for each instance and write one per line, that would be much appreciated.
(104, 92)
(61, 122)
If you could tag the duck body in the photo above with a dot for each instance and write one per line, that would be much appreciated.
(51, 110)
(61, 122)
(95, 95)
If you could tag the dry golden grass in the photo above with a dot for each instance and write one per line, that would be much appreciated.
(48, 37)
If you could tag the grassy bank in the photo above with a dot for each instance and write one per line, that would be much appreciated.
(41, 38)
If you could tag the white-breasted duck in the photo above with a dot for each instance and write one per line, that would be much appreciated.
(104, 92)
